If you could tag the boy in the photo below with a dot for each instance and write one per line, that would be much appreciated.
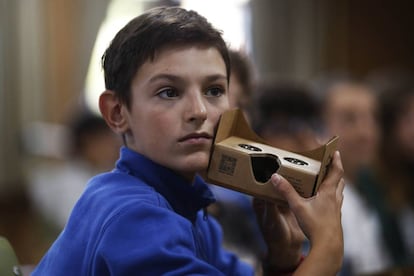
(166, 75)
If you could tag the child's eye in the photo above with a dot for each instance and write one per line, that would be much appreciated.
(168, 93)
(214, 92)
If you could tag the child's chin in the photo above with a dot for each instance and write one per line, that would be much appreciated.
(197, 165)
(190, 170)
(202, 166)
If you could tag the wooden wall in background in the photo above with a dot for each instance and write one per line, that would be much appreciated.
(381, 34)
(358, 36)
(44, 54)
(71, 29)
(62, 24)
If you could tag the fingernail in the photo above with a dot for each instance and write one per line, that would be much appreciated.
(275, 179)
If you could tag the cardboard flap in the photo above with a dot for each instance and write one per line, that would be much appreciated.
(319, 153)
(324, 154)
(328, 151)
(233, 123)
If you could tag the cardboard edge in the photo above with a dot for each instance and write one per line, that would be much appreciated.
(233, 123)
(329, 149)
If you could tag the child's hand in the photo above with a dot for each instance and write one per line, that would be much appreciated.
(319, 218)
(282, 234)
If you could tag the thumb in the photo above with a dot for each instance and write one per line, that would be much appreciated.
(285, 189)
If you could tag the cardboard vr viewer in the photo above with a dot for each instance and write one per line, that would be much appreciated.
(241, 160)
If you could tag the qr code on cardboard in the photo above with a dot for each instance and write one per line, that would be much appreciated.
(227, 164)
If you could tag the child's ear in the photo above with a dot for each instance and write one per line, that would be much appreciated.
(111, 110)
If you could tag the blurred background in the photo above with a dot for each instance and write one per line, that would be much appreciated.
(50, 71)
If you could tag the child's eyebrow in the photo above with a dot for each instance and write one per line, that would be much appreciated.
(216, 77)
(164, 77)
(172, 77)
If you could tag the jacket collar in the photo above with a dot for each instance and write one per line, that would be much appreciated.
(184, 197)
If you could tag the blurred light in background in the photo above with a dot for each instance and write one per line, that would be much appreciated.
(230, 16)
(118, 14)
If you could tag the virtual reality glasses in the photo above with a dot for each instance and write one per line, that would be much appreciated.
(242, 161)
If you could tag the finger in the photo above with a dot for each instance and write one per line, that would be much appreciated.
(285, 189)
(337, 165)
(340, 190)
(259, 206)
(335, 171)
(341, 187)
(264, 211)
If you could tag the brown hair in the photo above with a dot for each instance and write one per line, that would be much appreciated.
(148, 33)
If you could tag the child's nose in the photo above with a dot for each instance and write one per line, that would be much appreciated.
(197, 110)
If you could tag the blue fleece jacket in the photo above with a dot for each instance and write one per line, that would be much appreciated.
(141, 219)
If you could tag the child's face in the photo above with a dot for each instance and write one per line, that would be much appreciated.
(177, 100)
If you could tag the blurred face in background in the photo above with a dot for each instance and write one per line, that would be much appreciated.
(404, 129)
(350, 112)
(101, 149)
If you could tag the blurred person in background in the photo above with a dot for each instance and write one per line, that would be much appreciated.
(394, 198)
(92, 149)
(286, 115)
(349, 110)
